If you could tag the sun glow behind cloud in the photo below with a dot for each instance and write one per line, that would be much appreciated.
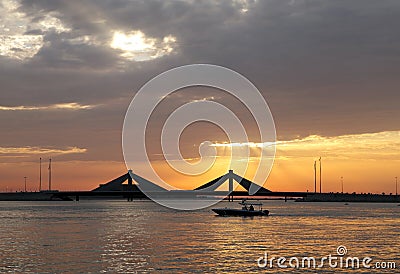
(360, 158)
(244, 5)
(368, 162)
(367, 146)
(137, 46)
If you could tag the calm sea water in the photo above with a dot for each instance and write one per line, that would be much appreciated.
(142, 237)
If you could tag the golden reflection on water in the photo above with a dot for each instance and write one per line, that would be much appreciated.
(117, 236)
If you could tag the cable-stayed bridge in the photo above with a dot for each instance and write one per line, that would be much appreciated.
(123, 186)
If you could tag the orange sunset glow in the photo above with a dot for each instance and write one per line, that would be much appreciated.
(360, 159)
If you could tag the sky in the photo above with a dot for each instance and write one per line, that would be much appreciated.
(328, 70)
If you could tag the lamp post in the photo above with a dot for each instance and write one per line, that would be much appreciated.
(341, 179)
(315, 176)
(396, 184)
(40, 174)
(320, 175)
(50, 174)
(25, 183)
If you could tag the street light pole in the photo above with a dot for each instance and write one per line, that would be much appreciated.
(315, 176)
(25, 182)
(320, 175)
(341, 179)
(396, 184)
(40, 174)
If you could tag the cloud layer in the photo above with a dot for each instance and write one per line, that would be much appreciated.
(367, 146)
(326, 68)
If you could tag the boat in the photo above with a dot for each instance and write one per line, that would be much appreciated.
(246, 210)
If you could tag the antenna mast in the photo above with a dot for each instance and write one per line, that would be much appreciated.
(40, 174)
(50, 174)
(320, 175)
(341, 179)
(315, 176)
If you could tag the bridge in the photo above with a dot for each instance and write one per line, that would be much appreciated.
(123, 186)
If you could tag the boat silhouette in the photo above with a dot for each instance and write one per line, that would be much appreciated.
(246, 210)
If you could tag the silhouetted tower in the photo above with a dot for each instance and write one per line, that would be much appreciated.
(320, 175)
(230, 181)
(341, 180)
(40, 173)
(130, 183)
(50, 174)
(315, 176)
(230, 178)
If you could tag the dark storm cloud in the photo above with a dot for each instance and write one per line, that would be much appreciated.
(327, 67)
(59, 51)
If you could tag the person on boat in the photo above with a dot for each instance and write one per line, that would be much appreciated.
(251, 208)
(244, 207)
